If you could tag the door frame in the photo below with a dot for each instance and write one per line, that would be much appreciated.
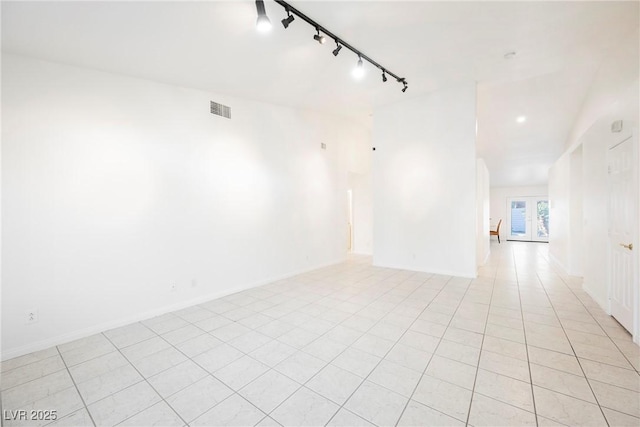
(531, 202)
(635, 332)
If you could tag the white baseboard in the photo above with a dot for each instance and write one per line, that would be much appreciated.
(96, 329)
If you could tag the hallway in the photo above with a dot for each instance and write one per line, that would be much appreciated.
(353, 344)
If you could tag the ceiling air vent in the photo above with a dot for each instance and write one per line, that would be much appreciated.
(220, 110)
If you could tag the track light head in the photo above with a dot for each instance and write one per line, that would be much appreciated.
(358, 72)
(263, 24)
(288, 20)
(404, 86)
(319, 38)
(336, 51)
(384, 77)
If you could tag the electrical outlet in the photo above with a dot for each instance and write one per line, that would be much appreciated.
(173, 287)
(31, 316)
(194, 283)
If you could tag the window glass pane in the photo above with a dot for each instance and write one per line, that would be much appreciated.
(542, 214)
(518, 218)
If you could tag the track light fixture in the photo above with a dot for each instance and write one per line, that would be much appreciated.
(318, 37)
(336, 51)
(264, 24)
(288, 20)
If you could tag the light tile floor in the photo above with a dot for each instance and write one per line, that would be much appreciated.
(353, 345)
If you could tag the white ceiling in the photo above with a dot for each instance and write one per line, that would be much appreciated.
(214, 46)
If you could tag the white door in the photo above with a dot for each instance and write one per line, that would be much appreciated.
(622, 217)
(528, 219)
(518, 218)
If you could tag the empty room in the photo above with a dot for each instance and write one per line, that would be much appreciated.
(320, 213)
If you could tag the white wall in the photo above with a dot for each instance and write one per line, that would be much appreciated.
(424, 183)
(360, 182)
(559, 214)
(595, 217)
(617, 74)
(595, 146)
(114, 188)
(566, 239)
(585, 245)
(576, 218)
(483, 213)
(498, 198)
(614, 95)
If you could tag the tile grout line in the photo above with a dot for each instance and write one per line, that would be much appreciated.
(388, 351)
(145, 380)
(30, 381)
(434, 351)
(301, 350)
(3, 372)
(571, 344)
(391, 348)
(524, 333)
(357, 287)
(362, 333)
(209, 374)
(339, 354)
(234, 392)
(172, 345)
(598, 323)
(86, 408)
(484, 333)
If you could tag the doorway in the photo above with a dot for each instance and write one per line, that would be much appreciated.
(528, 219)
(623, 216)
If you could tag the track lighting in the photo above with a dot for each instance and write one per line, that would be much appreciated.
(288, 20)
(336, 51)
(319, 38)
(322, 33)
(263, 24)
(358, 72)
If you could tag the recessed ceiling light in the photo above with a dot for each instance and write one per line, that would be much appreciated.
(521, 119)
(509, 55)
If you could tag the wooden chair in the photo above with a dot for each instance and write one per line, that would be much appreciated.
(497, 232)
